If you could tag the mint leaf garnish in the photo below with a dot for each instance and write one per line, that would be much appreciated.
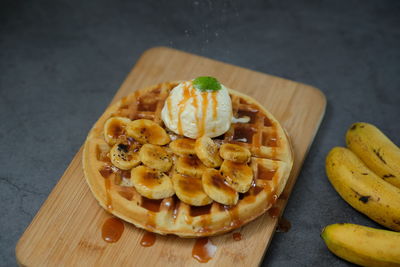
(206, 83)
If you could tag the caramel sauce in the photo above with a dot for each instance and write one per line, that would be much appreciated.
(175, 209)
(215, 104)
(219, 182)
(267, 122)
(102, 155)
(234, 213)
(126, 194)
(256, 190)
(151, 220)
(272, 198)
(269, 140)
(192, 186)
(115, 129)
(274, 212)
(237, 236)
(181, 105)
(203, 250)
(120, 175)
(169, 105)
(112, 230)
(196, 106)
(148, 239)
(106, 171)
(264, 173)
(150, 179)
(192, 161)
(107, 183)
(243, 134)
(151, 204)
(252, 114)
(201, 210)
(283, 225)
(204, 114)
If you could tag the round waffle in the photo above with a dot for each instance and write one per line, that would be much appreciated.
(271, 162)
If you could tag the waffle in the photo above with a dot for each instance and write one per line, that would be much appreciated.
(271, 162)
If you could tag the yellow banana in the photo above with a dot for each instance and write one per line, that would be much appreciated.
(375, 150)
(363, 245)
(362, 188)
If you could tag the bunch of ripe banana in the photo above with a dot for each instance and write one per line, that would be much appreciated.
(367, 176)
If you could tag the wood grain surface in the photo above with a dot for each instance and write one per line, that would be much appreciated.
(67, 229)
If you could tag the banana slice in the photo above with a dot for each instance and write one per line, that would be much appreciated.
(151, 183)
(234, 153)
(217, 188)
(183, 147)
(124, 157)
(190, 165)
(115, 129)
(147, 131)
(239, 175)
(155, 157)
(207, 151)
(190, 190)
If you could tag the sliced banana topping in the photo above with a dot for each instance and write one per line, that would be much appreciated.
(124, 157)
(207, 152)
(155, 157)
(115, 129)
(190, 165)
(234, 153)
(190, 190)
(151, 183)
(183, 147)
(147, 131)
(239, 175)
(217, 188)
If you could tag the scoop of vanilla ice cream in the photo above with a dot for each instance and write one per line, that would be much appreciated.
(193, 113)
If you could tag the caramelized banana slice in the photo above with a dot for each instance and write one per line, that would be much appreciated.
(151, 183)
(190, 165)
(115, 129)
(147, 131)
(217, 188)
(183, 147)
(190, 190)
(124, 157)
(239, 175)
(207, 151)
(234, 153)
(155, 157)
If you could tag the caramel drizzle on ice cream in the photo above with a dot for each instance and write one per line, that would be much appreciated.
(196, 106)
(189, 93)
(215, 103)
(169, 103)
(204, 114)
(182, 105)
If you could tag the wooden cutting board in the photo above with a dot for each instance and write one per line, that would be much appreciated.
(67, 229)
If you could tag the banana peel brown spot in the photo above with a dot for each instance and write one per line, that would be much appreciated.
(378, 154)
(363, 199)
(388, 175)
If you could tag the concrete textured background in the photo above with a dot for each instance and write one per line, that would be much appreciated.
(62, 61)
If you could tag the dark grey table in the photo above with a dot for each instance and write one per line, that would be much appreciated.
(62, 61)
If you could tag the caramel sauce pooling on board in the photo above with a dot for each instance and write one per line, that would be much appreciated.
(148, 239)
(112, 230)
(203, 250)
